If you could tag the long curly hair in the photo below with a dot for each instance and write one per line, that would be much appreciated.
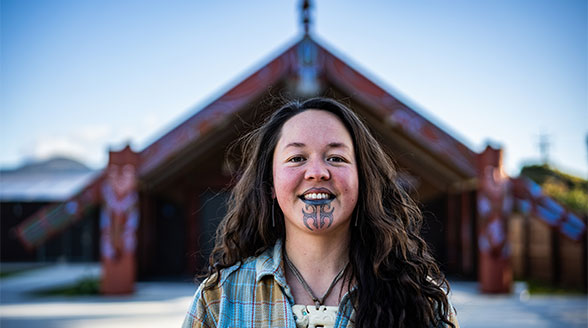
(398, 282)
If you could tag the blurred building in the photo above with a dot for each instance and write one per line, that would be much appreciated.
(26, 190)
(160, 206)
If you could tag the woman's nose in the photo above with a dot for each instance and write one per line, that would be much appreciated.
(317, 170)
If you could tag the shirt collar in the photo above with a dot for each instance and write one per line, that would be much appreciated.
(269, 263)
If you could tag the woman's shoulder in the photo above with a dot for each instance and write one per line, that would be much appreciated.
(244, 272)
(226, 284)
(232, 291)
(241, 272)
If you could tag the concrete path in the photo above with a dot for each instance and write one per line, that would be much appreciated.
(518, 309)
(19, 286)
(160, 304)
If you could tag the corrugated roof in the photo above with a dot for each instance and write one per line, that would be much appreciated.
(53, 180)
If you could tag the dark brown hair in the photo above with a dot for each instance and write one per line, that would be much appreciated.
(398, 282)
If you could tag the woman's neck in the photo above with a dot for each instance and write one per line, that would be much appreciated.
(317, 253)
(318, 259)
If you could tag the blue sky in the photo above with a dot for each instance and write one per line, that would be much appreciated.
(79, 77)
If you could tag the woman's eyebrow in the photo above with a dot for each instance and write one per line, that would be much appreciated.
(330, 145)
(295, 144)
(337, 145)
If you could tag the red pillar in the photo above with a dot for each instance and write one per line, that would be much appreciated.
(494, 207)
(466, 211)
(192, 226)
(451, 233)
(119, 220)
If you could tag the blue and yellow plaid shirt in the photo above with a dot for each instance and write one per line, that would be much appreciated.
(255, 294)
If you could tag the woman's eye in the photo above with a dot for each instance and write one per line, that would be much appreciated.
(296, 159)
(336, 159)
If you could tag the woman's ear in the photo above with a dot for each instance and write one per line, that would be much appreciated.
(273, 193)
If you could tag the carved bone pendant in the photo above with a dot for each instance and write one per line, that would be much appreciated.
(307, 316)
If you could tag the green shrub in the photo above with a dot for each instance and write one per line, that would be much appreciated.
(83, 287)
(567, 189)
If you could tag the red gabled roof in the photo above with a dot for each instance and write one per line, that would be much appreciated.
(291, 65)
(335, 71)
(399, 115)
(215, 113)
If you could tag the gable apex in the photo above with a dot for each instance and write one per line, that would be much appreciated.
(307, 69)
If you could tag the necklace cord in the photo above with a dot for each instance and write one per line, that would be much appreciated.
(317, 301)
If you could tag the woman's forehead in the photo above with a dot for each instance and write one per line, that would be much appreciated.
(314, 125)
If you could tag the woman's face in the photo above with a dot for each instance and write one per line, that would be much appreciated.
(315, 173)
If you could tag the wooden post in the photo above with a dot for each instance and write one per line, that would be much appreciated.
(146, 238)
(585, 260)
(495, 272)
(466, 234)
(192, 233)
(526, 246)
(119, 220)
(555, 257)
(451, 233)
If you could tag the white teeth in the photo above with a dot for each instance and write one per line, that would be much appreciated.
(316, 196)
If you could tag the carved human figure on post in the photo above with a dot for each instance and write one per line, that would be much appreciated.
(119, 219)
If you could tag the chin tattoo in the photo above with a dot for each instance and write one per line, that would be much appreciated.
(317, 216)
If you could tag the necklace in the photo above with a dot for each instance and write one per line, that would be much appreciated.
(317, 301)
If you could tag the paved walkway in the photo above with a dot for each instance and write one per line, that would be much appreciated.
(157, 304)
(518, 309)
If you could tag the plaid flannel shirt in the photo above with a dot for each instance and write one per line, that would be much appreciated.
(255, 294)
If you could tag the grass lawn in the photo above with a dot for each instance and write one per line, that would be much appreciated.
(83, 287)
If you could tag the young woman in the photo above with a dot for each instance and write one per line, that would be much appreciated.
(319, 233)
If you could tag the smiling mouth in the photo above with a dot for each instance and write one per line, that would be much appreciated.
(317, 197)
